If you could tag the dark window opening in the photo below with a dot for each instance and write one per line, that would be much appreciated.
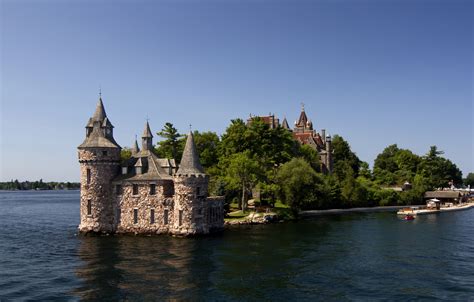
(165, 218)
(119, 214)
(89, 207)
(88, 173)
(152, 189)
(104, 153)
(198, 191)
(152, 216)
(180, 218)
(118, 189)
(135, 216)
(135, 190)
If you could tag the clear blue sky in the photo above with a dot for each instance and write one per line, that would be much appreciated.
(375, 72)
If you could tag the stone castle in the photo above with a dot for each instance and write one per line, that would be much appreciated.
(304, 133)
(144, 194)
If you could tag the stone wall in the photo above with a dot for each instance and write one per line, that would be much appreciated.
(190, 196)
(215, 210)
(144, 202)
(98, 189)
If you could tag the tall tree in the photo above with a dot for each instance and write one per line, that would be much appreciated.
(171, 146)
(243, 171)
(300, 184)
(342, 152)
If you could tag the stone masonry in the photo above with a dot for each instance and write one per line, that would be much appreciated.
(145, 194)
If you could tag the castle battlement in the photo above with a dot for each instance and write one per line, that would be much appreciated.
(144, 194)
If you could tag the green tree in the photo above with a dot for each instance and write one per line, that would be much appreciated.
(311, 156)
(469, 180)
(242, 171)
(207, 144)
(342, 152)
(172, 144)
(299, 184)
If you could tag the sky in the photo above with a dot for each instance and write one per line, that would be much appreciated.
(375, 72)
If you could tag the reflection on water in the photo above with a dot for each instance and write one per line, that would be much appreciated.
(127, 267)
(368, 256)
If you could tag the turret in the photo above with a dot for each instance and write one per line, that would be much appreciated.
(191, 183)
(147, 138)
(99, 158)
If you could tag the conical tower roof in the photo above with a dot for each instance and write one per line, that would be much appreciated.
(284, 124)
(99, 114)
(135, 148)
(190, 163)
(303, 118)
(147, 131)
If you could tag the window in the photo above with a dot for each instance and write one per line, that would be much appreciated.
(88, 173)
(124, 170)
(135, 189)
(152, 189)
(119, 214)
(89, 207)
(135, 216)
(180, 218)
(152, 216)
(165, 218)
(104, 153)
(198, 191)
(118, 189)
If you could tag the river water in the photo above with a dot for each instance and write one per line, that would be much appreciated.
(365, 256)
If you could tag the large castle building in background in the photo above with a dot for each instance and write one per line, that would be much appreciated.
(304, 133)
(144, 194)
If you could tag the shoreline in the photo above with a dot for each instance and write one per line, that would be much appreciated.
(314, 213)
(311, 213)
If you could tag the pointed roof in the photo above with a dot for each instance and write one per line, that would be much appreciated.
(99, 113)
(303, 118)
(135, 148)
(284, 124)
(97, 138)
(147, 131)
(190, 161)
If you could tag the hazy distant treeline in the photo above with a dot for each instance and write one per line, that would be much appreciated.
(38, 185)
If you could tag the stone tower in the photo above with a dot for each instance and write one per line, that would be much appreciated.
(190, 184)
(99, 158)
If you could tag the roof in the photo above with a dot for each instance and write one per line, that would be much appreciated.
(152, 168)
(190, 161)
(303, 119)
(442, 194)
(147, 131)
(99, 113)
(97, 139)
(135, 149)
(284, 124)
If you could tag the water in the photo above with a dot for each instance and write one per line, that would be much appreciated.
(341, 257)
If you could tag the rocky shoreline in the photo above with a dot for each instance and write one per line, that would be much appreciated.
(260, 218)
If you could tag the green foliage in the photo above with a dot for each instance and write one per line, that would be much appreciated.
(207, 144)
(342, 153)
(125, 154)
(242, 171)
(469, 180)
(298, 184)
(172, 144)
(395, 166)
(15, 185)
(311, 156)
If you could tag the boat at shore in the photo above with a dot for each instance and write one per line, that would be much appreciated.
(423, 210)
